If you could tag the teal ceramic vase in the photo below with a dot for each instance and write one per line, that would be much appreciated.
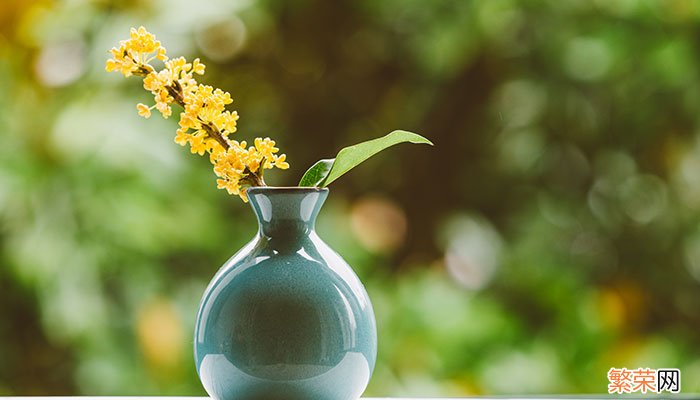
(286, 317)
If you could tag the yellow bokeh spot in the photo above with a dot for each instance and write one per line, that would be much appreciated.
(161, 336)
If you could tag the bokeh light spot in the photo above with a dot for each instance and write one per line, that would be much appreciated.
(473, 248)
(379, 224)
(222, 40)
(587, 59)
(60, 64)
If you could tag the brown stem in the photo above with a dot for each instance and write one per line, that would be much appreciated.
(257, 178)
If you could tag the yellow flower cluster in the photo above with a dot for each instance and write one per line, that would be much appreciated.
(231, 166)
(205, 124)
(136, 52)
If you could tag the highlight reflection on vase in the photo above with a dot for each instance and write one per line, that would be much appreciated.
(286, 317)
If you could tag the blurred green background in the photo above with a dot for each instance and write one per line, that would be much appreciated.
(551, 234)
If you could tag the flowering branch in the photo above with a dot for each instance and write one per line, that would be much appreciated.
(205, 125)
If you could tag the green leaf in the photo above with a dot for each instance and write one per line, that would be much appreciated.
(326, 171)
(318, 172)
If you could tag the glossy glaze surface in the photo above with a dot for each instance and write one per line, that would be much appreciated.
(286, 317)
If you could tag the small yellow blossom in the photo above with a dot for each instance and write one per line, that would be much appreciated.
(144, 110)
(181, 137)
(198, 67)
(205, 124)
(280, 162)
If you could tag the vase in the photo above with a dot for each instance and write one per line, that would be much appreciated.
(286, 317)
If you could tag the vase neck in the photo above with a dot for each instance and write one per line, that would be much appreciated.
(286, 212)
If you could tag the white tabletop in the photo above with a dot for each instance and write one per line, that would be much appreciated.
(689, 396)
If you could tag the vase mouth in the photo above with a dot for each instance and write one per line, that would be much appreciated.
(287, 210)
(289, 189)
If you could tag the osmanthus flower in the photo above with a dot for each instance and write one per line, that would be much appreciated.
(205, 124)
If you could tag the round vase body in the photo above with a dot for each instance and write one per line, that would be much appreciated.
(286, 317)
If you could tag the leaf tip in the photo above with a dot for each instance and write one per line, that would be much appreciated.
(414, 137)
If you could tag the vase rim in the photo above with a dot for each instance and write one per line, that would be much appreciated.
(286, 189)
